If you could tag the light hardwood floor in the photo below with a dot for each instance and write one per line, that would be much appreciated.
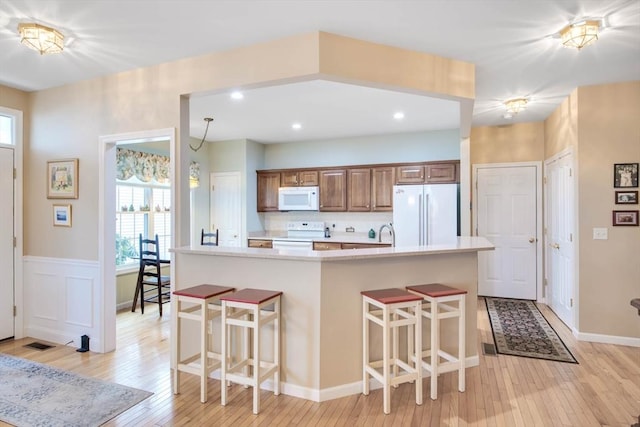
(603, 390)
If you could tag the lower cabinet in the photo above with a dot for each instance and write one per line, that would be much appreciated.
(364, 245)
(260, 243)
(326, 246)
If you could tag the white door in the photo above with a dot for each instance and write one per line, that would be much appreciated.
(6, 244)
(559, 239)
(506, 214)
(226, 208)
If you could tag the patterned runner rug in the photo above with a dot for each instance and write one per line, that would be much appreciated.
(519, 329)
(32, 394)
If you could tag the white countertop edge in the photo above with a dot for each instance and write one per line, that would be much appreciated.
(463, 244)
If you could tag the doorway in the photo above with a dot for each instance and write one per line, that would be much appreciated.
(560, 236)
(507, 211)
(107, 227)
(7, 291)
(226, 207)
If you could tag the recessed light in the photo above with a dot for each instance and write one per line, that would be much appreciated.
(296, 126)
(237, 95)
(399, 115)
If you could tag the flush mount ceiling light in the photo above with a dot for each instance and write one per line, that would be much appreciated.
(296, 126)
(399, 115)
(237, 95)
(514, 106)
(580, 34)
(40, 38)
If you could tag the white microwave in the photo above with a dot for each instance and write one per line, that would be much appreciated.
(298, 198)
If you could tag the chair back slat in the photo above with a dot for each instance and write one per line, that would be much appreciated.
(209, 239)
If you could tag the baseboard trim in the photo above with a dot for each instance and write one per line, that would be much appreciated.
(608, 339)
(331, 393)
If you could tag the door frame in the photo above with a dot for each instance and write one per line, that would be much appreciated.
(107, 230)
(18, 250)
(539, 223)
(569, 151)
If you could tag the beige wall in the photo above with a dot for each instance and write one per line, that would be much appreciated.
(521, 142)
(68, 120)
(608, 133)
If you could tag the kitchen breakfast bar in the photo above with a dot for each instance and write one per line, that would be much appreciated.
(321, 326)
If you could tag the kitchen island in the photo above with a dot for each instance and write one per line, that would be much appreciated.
(321, 353)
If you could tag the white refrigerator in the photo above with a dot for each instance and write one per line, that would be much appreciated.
(425, 214)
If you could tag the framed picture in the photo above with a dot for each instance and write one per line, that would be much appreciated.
(626, 197)
(62, 179)
(625, 218)
(62, 215)
(625, 175)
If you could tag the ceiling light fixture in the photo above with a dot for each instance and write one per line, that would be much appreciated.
(237, 95)
(208, 120)
(399, 115)
(514, 106)
(40, 38)
(296, 126)
(580, 34)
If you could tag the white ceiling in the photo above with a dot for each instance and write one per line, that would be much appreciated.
(507, 40)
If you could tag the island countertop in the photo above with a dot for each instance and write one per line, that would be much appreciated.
(459, 245)
(321, 308)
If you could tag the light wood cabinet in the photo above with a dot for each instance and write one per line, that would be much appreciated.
(268, 184)
(294, 178)
(382, 180)
(410, 174)
(359, 190)
(260, 243)
(333, 190)
(326, 246)
(441, 173)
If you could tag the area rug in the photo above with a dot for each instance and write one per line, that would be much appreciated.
(32, 394)
(519, 329)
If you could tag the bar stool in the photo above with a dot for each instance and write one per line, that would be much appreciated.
(436, 307)
(391, 309)
(245, 309)
(201, 308)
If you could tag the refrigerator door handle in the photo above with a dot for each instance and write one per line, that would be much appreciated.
(426, 219)
(420, 222)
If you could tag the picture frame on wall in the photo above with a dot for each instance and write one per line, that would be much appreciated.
(62, 179)
(62, 215)
(626, 197)
(625, 175)
(626, 218)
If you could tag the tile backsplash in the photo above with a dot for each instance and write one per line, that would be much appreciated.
(361, 222)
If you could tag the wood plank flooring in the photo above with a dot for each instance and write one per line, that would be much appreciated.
(603, 390)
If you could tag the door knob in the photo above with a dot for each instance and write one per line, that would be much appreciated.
(555, 246)
(532, 239)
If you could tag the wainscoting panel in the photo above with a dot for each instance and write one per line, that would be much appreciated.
(61, 303)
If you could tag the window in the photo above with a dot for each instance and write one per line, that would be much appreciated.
(6, 130)
(141, 209)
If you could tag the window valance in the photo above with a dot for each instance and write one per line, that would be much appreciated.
(148, 167)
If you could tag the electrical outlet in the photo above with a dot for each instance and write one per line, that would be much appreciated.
(600, 233)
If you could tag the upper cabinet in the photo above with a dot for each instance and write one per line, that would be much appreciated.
(428, 173)
(382, 180)
(441, 173)
(268, 184)
(354, 188)
(359, 190)
(333, 190)
(301, 178)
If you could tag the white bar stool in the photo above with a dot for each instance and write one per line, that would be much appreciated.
(435, 308)
(245, 309)
(391, 309)
(201, 308)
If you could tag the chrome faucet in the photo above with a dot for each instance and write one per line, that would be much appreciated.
(393, 233)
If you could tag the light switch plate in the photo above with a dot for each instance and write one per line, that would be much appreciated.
(600, 233)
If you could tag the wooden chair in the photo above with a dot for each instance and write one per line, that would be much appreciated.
(152, 286)
(209, 239)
